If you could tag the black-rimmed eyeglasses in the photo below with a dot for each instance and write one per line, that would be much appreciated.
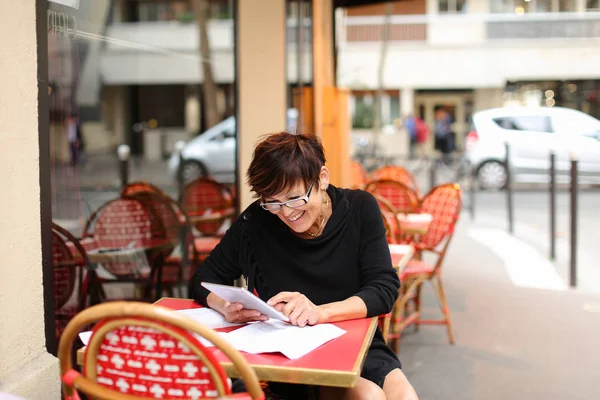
(294, 203)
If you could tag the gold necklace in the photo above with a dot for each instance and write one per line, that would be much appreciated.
(322, 220)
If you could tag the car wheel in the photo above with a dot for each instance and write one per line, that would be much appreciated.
(492, 175)
(191, 170)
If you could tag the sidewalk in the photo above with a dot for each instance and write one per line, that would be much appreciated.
(101, 172)
(511, 342)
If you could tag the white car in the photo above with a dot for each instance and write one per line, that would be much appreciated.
(210, 154)
(532, 134)
(213, 154)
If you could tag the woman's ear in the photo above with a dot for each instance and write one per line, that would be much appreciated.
(324, 178)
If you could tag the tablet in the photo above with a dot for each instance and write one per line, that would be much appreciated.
(234, 294)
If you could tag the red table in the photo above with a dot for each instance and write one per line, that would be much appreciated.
(336, 363)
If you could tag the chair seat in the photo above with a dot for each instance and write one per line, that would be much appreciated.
(416, 268)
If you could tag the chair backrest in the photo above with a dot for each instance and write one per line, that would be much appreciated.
(132, 188)
(140, 350)
(390, 222)
(206, 197)
(400, 196)
(444, 204)
(358, 175)
(167, 210)
(69, 261)
(396, 173)
(129, 222)
(125, 222)
(65, 270)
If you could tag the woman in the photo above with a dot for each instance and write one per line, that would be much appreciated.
(313, 251)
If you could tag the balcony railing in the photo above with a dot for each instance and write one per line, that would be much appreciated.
(469, 28)
(545, 26)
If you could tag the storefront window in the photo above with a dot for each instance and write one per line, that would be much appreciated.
(133, 99)
(530, 6)
(299, 66)
(592, 5)
(452, 6)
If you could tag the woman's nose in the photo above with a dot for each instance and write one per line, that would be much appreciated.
(286, 211)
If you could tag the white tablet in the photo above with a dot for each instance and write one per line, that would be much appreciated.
(234, 294)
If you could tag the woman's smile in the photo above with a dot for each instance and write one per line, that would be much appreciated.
(294, 218)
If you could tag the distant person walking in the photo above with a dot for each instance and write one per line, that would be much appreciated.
(75, 139)
(410, 124)
(444, 137)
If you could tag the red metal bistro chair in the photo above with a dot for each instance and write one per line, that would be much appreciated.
(401, 197)
(139, 351)
(398, 174)
(130, 223)
(444, 204)
(208, 205)
(71, 277)
(132, 188)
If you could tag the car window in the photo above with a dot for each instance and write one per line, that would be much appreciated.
(583, 124)
(538, 123)
(229, 133)
(226, 134)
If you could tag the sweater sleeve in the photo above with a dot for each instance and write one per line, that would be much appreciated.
(379, 280)
(221, 266)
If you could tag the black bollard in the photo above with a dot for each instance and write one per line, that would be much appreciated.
(472, 190)
(123, 153)
(432, 177)
(509, 191)
(573, 257)
(552, 206)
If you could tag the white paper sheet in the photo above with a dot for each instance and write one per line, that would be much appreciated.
(85, 337)
(277, 336)
(207, 317)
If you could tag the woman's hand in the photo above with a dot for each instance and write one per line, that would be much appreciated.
(298, 308)
(234, 312)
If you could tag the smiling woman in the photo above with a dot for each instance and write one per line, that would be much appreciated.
(315, 252)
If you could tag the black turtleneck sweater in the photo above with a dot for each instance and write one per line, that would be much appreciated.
(350, 258)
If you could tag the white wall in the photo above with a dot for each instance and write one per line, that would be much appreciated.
(26, 368)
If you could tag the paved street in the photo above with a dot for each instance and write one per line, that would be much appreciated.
(532, 224)
(511, 342)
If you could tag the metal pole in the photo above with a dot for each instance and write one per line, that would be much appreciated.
(123, 152)
(178, 148)
(552, 206)
(573, 230)
(509, 192)
(300, 64)
(432, 177)
(472, 191)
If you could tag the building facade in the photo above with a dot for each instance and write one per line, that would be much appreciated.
(469, 55)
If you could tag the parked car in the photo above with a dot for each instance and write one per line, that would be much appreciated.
(212, 153)
(532, 134)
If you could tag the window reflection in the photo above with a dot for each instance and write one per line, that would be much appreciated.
(142, 138)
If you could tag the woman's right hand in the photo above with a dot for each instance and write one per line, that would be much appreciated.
(236, 313)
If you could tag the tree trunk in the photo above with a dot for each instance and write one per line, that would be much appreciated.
(385, 38)
(209, 88)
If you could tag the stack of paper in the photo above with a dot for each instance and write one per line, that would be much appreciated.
(278, 336)
(267, 337)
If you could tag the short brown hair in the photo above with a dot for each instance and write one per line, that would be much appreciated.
(282, 159)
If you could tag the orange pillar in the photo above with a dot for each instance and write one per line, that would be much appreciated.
(331, 114)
